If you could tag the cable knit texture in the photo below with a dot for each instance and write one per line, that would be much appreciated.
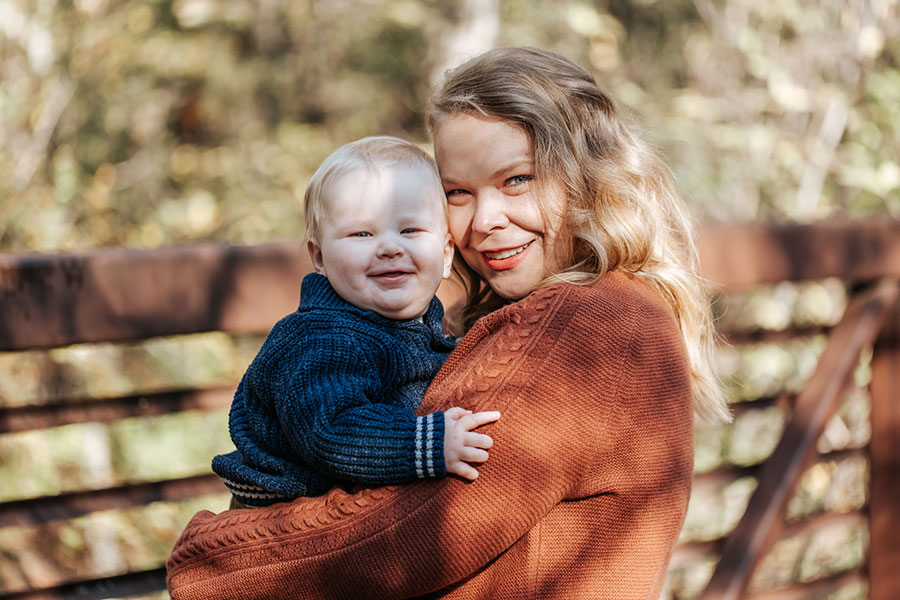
(330, 398)
(583, 496)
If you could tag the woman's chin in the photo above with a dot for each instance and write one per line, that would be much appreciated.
(516, 283)
(511, 288)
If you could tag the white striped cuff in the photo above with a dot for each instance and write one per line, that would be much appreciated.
(425, 446)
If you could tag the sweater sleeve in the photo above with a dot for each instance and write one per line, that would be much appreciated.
(555, 373)
(334, 419)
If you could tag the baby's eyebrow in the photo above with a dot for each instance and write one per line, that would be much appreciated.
(354, 226)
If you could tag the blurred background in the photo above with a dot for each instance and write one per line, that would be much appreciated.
(149, 123)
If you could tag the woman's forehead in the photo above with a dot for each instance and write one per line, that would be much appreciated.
(465, 144)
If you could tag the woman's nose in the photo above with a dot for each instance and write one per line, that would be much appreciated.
(490, 212)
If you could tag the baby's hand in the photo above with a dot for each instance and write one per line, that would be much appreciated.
(463, 446)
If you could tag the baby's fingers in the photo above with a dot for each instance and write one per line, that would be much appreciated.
(463, 470)
(478, 440)
(478, 419)
(473, 455)
(456, 412)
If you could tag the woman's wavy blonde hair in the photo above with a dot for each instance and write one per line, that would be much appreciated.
(623, 211)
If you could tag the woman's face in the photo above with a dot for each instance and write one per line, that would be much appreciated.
(496, 220)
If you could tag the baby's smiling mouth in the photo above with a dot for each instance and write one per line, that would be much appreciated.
(390, 274)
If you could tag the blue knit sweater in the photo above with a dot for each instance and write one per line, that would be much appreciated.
(330, 399)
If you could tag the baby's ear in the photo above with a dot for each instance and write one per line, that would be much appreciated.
(448, 257)
(315, 254)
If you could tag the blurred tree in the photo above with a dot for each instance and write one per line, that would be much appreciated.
(147, 123)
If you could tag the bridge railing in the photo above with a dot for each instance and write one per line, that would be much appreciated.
(116, 295)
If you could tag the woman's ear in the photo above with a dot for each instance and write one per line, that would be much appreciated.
(315, 254)
(448, 257)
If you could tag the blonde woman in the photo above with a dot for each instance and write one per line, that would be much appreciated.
(586, 326)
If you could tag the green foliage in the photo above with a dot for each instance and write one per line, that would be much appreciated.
(148, 123)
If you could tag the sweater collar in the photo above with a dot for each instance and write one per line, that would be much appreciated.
(316, 293)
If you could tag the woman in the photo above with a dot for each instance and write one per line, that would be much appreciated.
(587, 328)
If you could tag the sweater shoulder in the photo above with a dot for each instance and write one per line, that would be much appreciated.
(622, 291)
(619, 301)
(308, 334)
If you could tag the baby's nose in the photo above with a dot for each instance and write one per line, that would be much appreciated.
(389, 247)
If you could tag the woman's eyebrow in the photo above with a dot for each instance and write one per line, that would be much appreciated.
(517, 165)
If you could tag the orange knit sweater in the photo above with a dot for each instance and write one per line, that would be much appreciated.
(583, 496)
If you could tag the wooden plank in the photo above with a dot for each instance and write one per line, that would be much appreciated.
(744, 255)
(815, 404)
(118, 295)
(884, 527)
(115, 586)
(34, 511)
(14, 419)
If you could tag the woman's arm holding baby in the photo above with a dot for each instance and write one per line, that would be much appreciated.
(401, 542)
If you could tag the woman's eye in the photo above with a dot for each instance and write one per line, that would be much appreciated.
(519, 179)
(457, 196)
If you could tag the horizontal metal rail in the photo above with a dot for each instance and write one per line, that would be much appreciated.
(115, 586)
(743, 255)
(112, 295)
(820, 588)
(15, 419)
(34, 511)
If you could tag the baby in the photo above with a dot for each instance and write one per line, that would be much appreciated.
(330, 398)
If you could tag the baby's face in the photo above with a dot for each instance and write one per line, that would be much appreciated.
(383, 241)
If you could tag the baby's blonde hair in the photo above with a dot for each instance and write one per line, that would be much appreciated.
(623, 211)
(371, 154)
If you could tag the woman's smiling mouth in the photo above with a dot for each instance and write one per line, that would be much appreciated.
(501, 260)
(502, 254)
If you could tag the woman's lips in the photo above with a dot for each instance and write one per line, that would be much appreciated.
(507, 258)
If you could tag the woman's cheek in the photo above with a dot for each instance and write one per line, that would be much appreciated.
(459, 220)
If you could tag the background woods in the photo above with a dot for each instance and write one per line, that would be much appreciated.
(143, 123)
(148, 124)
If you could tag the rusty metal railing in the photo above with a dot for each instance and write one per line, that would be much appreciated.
(49, 301)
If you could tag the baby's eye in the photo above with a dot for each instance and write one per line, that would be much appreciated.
(360, 234)
(409, 230)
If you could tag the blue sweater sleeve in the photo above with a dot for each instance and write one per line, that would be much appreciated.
(333, 417)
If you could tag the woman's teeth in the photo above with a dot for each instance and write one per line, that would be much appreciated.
(506, 253)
